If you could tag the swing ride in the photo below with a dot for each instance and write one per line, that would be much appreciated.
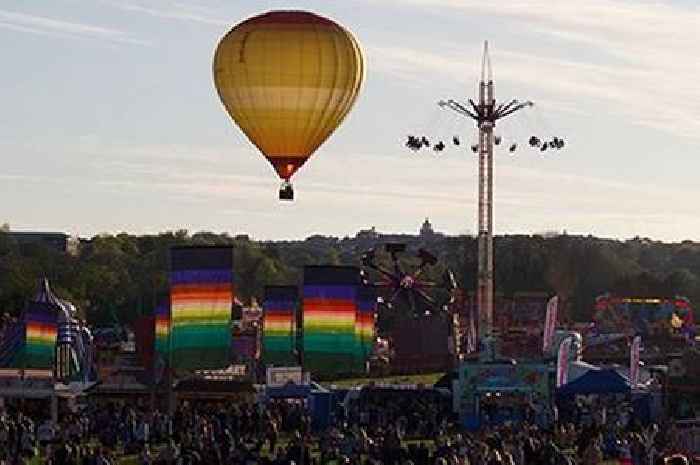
(485, 112)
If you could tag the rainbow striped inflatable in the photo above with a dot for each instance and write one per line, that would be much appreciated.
(201, 299)
(330, 344)
(41, 330)
(364, 324)
(31, 341)
(279, 325)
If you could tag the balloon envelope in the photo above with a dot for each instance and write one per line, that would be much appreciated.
(288, 79)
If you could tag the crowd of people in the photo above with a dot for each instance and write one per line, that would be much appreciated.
(386, 429)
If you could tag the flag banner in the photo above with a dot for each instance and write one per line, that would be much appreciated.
(550, 324)
(162, 329)
(364, 323)
(563, 362)
(201, 299)
(279, 325)
(330, 310)
(472, 331)
(634, 361)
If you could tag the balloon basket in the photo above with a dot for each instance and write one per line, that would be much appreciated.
(286, 191)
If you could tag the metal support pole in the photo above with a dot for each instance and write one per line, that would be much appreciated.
(54, 408)
(487, 123)
(485, 240)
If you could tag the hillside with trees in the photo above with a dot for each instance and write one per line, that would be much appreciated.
(119, 277)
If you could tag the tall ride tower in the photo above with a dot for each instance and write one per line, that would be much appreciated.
(486, 113)
(484, 289)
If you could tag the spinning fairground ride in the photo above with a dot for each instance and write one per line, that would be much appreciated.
(415, 294)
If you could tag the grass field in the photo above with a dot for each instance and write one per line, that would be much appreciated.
(427, 379)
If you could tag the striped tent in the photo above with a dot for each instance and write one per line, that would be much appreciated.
(31, 343)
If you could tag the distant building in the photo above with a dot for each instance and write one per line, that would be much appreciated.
(55, 240)
(426, 230)
(368, 234)
(551, 234)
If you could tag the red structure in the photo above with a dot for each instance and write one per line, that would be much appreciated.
(144, 336)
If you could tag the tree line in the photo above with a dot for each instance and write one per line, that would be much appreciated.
(116, 278)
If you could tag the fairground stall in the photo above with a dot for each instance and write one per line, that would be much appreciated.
(683, 385)
(291, 389)
(45, 355)
(606, 397)
(497, 392)
(666, 326)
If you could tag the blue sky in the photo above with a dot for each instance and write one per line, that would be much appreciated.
(109, 120)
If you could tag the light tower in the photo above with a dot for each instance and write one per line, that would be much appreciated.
(486, 113)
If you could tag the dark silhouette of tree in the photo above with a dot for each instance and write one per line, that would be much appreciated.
(118, 277)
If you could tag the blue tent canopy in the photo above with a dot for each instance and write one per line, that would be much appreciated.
(288, 391)
(596, 382)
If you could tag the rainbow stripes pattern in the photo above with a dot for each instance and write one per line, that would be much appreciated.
(201, 298)
(41, 330)
(364, 322)
(330, 344)
(162, 328)
(279, 325)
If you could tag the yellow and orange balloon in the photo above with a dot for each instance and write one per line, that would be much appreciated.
(288, 79)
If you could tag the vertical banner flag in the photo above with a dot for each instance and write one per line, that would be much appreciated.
(550, 324)
(329, 342)
(279, 325)
(162, 328)
(563, 362)
(161, 341)
(201, 299)
(634, 361)
(364, 323)
(472, 342)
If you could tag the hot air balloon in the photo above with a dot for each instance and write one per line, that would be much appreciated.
(288, 79)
